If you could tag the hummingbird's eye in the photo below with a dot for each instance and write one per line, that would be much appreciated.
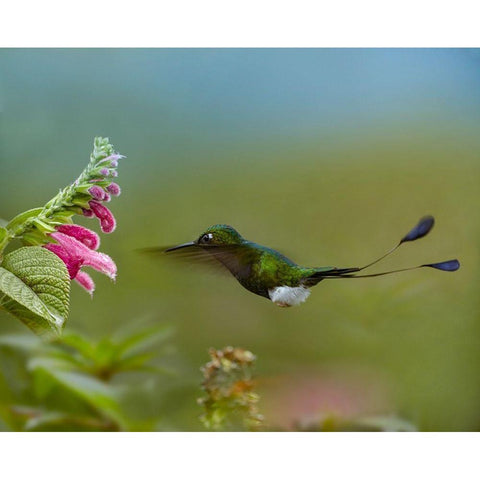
(206, 238)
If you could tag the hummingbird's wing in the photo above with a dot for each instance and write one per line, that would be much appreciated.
(221, 258)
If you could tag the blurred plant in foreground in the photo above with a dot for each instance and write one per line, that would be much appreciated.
(230, 400)
(374, 423)
(68, 382)
(35, 281)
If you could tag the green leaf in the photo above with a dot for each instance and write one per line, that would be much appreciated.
(36, 288)
(135, 362)
(20, 219)
(23, 342)
(80, 344)
(140, 342)
(386, 424)
(98, 395)
(4, 238)
(3, 234)
(48, 421)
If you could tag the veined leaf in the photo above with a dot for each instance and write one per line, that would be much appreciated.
(36, 289)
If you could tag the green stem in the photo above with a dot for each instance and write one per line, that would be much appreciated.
(64, 205)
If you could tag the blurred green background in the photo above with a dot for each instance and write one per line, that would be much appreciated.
(329, 156)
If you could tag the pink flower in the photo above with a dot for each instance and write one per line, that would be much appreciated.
(107, 220)
(113, 159)
(114, 189)
(76, 247)
(98, 193)
(85, 281)
(82, 234)
(109, 172)
(72, 263)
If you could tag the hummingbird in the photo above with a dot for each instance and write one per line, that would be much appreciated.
(270, 274)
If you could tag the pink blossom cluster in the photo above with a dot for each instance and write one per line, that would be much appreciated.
(77, 247)
(102, 195)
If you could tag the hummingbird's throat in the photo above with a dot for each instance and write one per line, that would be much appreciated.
(288, 296)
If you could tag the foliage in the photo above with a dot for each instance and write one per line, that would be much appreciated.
(377, 423)
(35, 282)
(68, 381)
(36, 288)
(230, 400)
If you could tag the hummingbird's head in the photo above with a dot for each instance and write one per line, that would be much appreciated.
(216, 235)
(219, 235)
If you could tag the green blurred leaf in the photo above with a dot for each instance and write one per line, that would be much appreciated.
(374, 423)
(60, 421)
(135, 362)
(141, 341)
(386, 424)
(105, 352)
(36, 288)
(45, 420)
(99, 395)
(24, 342)
(80, 344)
(69, 381)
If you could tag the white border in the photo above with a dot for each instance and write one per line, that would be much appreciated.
(239, 24)
(240, 456)
(246, 23)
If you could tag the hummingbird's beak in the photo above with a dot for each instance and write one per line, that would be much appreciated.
(182, 245)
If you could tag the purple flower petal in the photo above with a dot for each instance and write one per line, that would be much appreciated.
(98, 193)
(114, 189)
(99, 261)
(113, 159)
(82, 234)
(107, 220)
(109, 172)
(85, 281)
(102, 263)
(73, 264)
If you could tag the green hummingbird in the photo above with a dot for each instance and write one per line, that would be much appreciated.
(270, 274)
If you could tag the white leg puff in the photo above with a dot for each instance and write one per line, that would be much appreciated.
(288, 296)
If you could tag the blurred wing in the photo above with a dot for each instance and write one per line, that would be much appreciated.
(234, 258)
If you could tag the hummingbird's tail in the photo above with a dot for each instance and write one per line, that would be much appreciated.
(421, 229)
(446, 266)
